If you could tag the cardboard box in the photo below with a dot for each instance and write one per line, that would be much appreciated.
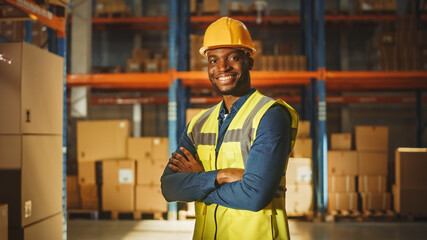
(3, 221)
(299, 199)
(89, 196)
(149, 171)
(33, 181)
(341, 141)
(151, 66)
(342, 201)
(372, 163)
(342, 163)
(302, 148)
(73, 193)
(160, 149)
(139, 148)
(299, 170)
(303, 129)
(119, 197)
(372, 183)
(149, 199)
(118, 172)
(31, 90)
(97, 140)
(133, 66)
(211, 6)
(86, 172)
(342, 183)
(411, 167)
(375, 201)
(410, 201)
(371, 138)
(192, 112)
(141, 54)
(48, 229)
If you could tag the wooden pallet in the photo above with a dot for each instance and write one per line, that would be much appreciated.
(81, 213)
(365, 216)
(136, 215)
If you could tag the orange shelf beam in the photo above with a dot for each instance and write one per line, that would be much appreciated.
(37, 13)
(272, 19)
(260, 79)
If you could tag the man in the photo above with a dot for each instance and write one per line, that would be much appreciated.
(232, 157)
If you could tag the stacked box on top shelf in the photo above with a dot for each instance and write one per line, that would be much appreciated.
(151, 155)
(372, 146)
(197, 61)
(398, 47)
(97, 141)
(3, 221)
(410, 189)
(111, 8)
(145, 60)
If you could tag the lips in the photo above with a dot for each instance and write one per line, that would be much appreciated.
(225, 78)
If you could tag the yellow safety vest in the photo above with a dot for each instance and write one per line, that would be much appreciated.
(222, 223)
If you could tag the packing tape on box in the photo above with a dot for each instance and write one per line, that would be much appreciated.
(347, 183)
(365, 183)
(337, 202)
(333, 183)
(380, 183)
(384, 201)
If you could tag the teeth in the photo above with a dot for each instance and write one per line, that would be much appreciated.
(225, 78)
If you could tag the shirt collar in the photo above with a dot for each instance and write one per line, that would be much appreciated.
(236, 105)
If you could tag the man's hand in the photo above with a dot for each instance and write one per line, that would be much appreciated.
(180, 164)
(228, 175)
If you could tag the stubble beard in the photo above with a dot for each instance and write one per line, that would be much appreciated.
(236, 89)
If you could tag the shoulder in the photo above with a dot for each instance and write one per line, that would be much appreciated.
(277, 112)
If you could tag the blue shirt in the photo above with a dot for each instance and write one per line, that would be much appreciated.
(263, 171)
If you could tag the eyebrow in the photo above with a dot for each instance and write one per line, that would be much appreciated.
(237, 51)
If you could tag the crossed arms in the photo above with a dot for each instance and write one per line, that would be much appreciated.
(252, 188)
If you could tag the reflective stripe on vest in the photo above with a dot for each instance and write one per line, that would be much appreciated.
(234, 151)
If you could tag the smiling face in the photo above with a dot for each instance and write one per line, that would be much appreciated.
(228, 70)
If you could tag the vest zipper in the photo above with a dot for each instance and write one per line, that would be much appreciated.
(216, 224)
(216, 208)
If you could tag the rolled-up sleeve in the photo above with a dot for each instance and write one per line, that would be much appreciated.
(264, 168)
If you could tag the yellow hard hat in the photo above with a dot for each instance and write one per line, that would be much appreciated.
(227, 32)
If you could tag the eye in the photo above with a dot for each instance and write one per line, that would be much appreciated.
(212, 61)
(234, 58)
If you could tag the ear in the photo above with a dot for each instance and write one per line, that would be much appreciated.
(250, 62)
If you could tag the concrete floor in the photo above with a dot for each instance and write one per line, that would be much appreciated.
(182, 230)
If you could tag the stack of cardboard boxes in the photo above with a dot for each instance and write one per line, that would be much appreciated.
(197, 62)
(372, 152)
(31, 90)
(208, 7)
(357, 180)
(342, 172)
(111, 8)
(3, 222)
(126, 170)
(299, 185)
(400, 46)
(375, 5)
(151, 155)
(410, 189)
(145, 60)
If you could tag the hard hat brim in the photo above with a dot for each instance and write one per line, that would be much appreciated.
(251, 49)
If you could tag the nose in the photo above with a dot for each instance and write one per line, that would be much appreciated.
(223, 66)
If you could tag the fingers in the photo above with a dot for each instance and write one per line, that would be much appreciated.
(187, 154)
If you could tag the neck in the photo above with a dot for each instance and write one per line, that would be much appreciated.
(230, 99)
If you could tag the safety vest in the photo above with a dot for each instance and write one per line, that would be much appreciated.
(222, 223)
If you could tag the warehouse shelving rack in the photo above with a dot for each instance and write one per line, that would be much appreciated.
(315, 81)
(58, 27)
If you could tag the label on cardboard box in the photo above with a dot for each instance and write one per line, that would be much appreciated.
(304, 174)
(125, 176)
